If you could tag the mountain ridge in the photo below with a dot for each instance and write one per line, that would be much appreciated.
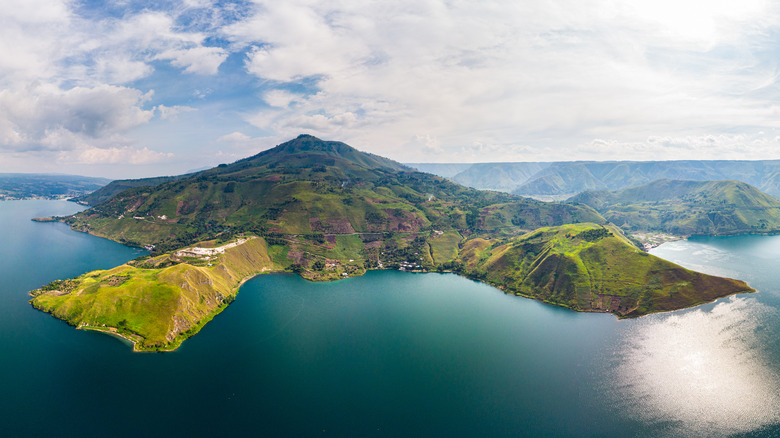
(327, 211)
(308, 186)
(688, 207)
(571, 177)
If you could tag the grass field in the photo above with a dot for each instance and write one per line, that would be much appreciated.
(157, 308)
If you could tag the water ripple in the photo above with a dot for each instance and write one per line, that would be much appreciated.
(701, 373)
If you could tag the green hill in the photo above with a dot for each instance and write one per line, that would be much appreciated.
(159, 302)
(326, 211)
(115, 187)
(307, 189)
(688, 207)
(592, 268)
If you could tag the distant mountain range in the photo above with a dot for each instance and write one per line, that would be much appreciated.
(547, 180)
(32, 185)
(687, 207)
(561, 179)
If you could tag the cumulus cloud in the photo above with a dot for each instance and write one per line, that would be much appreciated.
(280, 98)
(235, 137)
(61, 46)
(531, 73)
(45, 117)
(170, 112)
(64, 77)
(199, 60)
(413, 80)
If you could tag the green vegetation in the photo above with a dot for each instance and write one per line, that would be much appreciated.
(688, 207)
(156, 303)
(589, 267)
(115, 187)
(327, 211)
(309, 189)
(444, 247)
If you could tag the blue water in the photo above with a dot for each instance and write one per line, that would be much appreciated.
(390, 354)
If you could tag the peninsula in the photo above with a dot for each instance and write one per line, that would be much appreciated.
(328, 211)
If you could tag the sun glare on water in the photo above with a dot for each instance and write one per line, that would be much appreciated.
(701, 373)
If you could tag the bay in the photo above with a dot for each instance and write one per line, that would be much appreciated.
(390, 354)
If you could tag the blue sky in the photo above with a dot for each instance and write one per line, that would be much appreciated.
(139, 88)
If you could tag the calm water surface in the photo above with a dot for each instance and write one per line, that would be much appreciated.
(391, 354)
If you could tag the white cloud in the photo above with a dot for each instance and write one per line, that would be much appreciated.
(280, 98)
(198, 3)
(694, 21)
(45, 117)
(63, 77)
(412, 79)
(113, 69)
(114, 155)
(531, 73)
(199, 60)
(170, 112)
(38, 11)
(59, 46)
(745, 146)
(235, 137)
(297, 41)
(32, 35)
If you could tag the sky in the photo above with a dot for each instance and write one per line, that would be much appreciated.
(122, 88)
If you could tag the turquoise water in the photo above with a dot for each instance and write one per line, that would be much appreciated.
(390, 354)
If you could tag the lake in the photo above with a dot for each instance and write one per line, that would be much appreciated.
(391, 354)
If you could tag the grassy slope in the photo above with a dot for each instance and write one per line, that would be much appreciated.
(154, 305)
(588, 267)
(326, 210)
(322, 189)
(688, 207)
(113, 188)
(160, 302)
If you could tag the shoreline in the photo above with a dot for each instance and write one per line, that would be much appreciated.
(650, 240)
(110, 332)
(176, 343)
